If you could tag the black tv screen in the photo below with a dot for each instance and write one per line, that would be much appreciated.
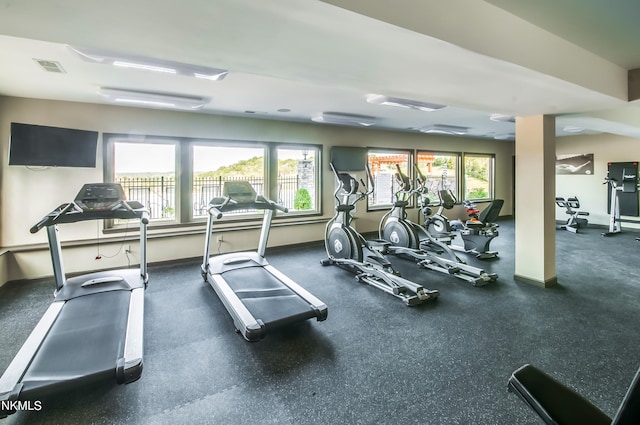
(349, 158)
(39, 145)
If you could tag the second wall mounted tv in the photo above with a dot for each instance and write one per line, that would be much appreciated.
(39, 145)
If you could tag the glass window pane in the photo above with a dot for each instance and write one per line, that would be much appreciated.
(383, 169)
(441, 171)
(297, 182)
(213, 165)
(478, 170)
(147, 173)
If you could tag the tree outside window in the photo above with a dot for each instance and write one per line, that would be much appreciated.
(478, 176)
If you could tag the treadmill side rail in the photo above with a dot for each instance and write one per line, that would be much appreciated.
(320, 307)
(250, 328)
(23, 358)
(133, 345)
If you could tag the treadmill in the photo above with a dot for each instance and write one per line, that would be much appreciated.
(93, 330)
(258, 297)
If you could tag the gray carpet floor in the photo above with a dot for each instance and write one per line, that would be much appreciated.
(374, 360)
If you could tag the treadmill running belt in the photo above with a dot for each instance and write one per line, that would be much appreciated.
(83, 344)
(267, 298)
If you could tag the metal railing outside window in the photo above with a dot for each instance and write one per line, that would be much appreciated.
(158, 193)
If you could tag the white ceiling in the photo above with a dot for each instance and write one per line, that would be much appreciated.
(516, 57)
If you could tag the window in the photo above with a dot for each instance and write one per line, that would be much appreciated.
(383, 169)
(177, 177)
(297, 178)
(214, 165)
(478, 176)
(147, 172)
(441, 171)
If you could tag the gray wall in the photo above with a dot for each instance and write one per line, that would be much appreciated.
(27, 194)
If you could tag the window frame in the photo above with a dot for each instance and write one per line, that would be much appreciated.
(192, 143)
(109, 142)
(409, 172)
(317, 177)
(184, 179)
(491, 176)
(458, 170)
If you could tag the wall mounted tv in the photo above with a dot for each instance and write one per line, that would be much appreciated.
(38, 145)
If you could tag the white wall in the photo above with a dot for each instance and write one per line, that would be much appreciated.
(26, 195)
(590, 190)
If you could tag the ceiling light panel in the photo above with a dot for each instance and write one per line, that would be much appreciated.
(572, 129)
(378, 99)
(344, 119)
(502, 118)
(445, 129)
(153, 99)
(149, 64)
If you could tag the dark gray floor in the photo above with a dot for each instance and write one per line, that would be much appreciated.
(374, 361)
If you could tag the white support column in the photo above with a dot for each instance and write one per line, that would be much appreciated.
(535, 229)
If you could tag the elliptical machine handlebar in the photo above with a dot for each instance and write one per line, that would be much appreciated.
(350, 185)
(404, 181)
(421, 178)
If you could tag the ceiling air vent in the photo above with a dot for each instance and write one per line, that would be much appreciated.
(50, 66)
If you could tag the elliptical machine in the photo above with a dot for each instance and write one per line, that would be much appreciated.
(412, 241)
(348, 249)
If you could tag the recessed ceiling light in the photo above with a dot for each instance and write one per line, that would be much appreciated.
(344, 119)
(284, 110)
(399, 102)
(153, 99)
(445, 129)
(149, 64)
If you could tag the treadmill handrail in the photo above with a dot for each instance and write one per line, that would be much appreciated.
(217, 208)
(53, 216)
(72, 213)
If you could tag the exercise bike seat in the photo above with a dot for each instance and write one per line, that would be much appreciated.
(491, 212)
(558, 404)
(474, 223)
(573, 205)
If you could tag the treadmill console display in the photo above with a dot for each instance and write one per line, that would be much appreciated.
(99, 196)
(239, 191)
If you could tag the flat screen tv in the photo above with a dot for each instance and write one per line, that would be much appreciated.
(349, 158)
(39, 145)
